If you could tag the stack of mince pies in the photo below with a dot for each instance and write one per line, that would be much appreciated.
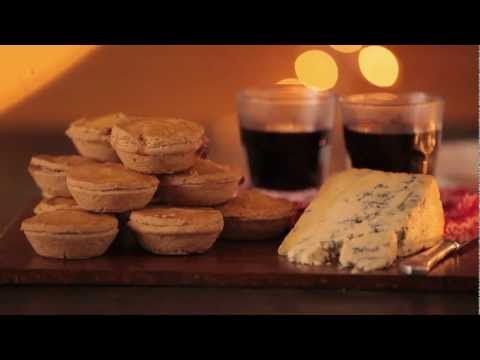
(152, 176)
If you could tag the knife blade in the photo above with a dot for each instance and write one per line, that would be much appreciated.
(425, 261)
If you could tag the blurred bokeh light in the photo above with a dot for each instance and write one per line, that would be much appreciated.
(378, 65)
(347, 49)
(316, 69)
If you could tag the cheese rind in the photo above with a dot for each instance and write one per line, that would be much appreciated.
(366, 218)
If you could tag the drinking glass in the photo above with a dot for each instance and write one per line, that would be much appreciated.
(393, 132)
(285, 132)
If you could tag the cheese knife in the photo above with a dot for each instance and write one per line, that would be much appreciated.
(425, 261)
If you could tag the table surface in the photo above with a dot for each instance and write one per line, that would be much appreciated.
(18, 189)
(226, 264)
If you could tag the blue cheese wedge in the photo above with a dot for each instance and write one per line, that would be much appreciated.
(364, 219)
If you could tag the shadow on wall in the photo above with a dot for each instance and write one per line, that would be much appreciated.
(195, 82)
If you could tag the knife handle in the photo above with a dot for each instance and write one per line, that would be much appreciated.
(425, 261)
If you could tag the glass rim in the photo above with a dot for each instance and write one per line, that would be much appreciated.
(390, 99)
(285, 94)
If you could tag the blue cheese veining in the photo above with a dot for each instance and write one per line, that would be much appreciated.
(364, 219)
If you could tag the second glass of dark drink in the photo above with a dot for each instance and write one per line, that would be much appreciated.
(285, 133)
(393, 132)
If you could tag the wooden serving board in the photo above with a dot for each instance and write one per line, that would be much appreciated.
(227, 264)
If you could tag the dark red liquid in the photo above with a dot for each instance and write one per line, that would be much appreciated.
(411, 152)
(285, 160)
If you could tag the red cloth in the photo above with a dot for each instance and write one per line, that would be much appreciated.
(461, 214)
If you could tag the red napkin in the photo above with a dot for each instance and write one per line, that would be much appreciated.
(461, 214)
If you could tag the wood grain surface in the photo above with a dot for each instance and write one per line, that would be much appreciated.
(161, 300)
(227, 264)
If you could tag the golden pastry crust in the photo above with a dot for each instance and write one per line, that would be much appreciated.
(70, 234)
(49, 172)
(176, 231)
(109, 176)
(205, 184)
(97, 150)
(96, 128)
(157, 164)
(255, 216)
(58, 163)
(171, 220)
(91, 136)
(158, 145)
(254, 205)
(47, 196)
(157, 136)
(54, 204)
(70, 222)
(254, 230)
(110, 187)
(202, 172)
(176, 244)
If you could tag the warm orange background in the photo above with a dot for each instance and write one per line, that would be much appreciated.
(200, 82)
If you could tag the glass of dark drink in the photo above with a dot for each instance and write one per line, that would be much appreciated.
(285, 134)
(393, 132)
